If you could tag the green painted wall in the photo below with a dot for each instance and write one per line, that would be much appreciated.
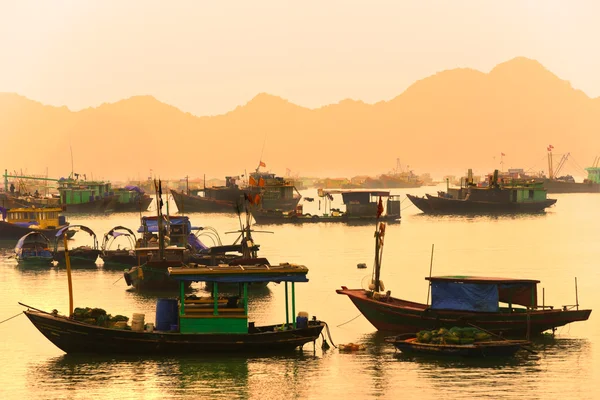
(213, 325)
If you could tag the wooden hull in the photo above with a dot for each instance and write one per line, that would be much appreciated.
(10, 231)
(118, 258)
(403, 316)
(78, 257)
(505, 348)
(139, 205)
(75, 337)
(190, 203)
(34, 261)
(278, 218)
(440, 205)
(152, 278)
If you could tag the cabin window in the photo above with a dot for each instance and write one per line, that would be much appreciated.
(531, 194)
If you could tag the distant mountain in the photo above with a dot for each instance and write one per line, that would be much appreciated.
(445, 123)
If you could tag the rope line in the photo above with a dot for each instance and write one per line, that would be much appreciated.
(14, 316)
(348, 321)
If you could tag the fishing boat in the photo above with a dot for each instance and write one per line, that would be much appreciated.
(33, 249)
(503, 306)
(83, 196)
(492, 348)
(81, 255)
(191, 325)
(361, 207)
(17, 222)
(516, 197)
(131, 198)
(121, 256)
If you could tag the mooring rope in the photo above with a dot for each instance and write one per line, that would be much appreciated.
(14, 316)
(337, 326)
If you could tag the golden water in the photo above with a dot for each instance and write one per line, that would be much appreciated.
(554, 247)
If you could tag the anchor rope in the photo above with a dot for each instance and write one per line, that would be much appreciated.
(8, 319)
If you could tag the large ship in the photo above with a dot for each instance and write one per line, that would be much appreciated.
(274, 193)
(398, 178)
(566, 183)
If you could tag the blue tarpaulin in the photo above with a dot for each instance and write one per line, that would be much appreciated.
(196, 243)
(152, 224)
(464, 296)
(135, 189)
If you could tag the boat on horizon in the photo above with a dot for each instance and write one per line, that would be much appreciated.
(462, 301)
(495, 197)
(361, 207)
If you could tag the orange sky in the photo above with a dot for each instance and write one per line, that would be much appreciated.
(208, 57)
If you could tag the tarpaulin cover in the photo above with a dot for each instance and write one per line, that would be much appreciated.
(26, 224)
(135, 189)
(464, 296)
(196, 243)
(3, 211)
(152, 224)
(75, 228)
(524, 294)
(32, 237)
(242, 278)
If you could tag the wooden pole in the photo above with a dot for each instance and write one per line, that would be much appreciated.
(293, 305)
(543, 298)
(68, 262)
(576, 295)
(287, 308)
(430, 270)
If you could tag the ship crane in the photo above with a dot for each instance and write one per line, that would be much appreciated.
(561, 163)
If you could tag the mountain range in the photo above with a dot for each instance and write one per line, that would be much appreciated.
(445, 123)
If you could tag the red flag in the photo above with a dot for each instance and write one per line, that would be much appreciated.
(257, 199)
(252, 181)
(262, 164)
(502, 154)
(379, 207)
(261, 182)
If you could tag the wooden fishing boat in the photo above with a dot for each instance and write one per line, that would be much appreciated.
(517, 197)
(491, 304)
(361, 208)
(121, 256)
(17, 222)
(492, 348)
(81, 255)
(193, 326)
(83, 196)
(131, 198)
(33, 249)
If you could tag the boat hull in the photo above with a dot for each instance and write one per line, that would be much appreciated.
(78, 257)
(396, 315)
(278, 218)
(190, 203)
(152, 277)
(10, 231)
(118, 258)
(553, 186)
(440, 205)
(504, 348)
(75, 337)
(139, 205)
(104, 204)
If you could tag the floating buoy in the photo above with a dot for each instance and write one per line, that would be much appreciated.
(352, 347)
(361, 265)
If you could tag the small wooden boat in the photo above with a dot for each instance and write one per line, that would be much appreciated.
(492, 348)
(33, 249)
(191, 326)
(80, 256)
(462, 301)
(121, 256)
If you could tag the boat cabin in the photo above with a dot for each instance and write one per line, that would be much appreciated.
(482, 294)
(178, 230)
(365, 202)
(230, 315)
(44, 218)
(79, 192)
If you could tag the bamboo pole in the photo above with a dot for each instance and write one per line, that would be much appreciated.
(69, 280)
(576, 295)
(430, 270)
(287, 307)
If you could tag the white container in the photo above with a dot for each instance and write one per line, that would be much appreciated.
(149, 327)
(137, 322)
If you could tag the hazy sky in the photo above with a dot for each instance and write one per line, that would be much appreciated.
(207, 57)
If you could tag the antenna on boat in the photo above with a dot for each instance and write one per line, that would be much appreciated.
(71, 148)
(430, 269)
(69, 280)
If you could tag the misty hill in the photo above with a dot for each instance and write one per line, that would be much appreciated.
(444, 123)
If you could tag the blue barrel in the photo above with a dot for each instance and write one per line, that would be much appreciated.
(301, 322)
(166, 314)
(61, 220)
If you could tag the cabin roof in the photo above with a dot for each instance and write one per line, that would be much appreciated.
(241, 273)
(478, 279)
(36, 209)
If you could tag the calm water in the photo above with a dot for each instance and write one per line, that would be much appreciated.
(554, 247)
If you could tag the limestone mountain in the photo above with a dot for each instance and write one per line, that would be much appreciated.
(444, 123)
